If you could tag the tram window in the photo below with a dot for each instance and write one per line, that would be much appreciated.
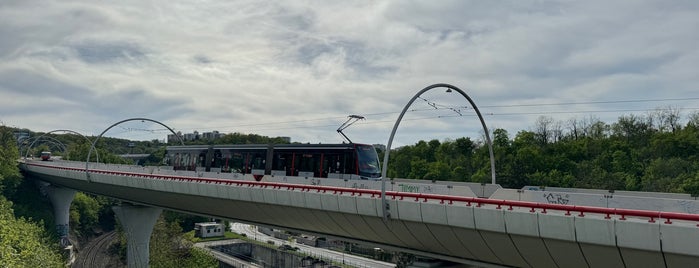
(244, 161)
(217, 160)
(201, 160)
(309, 163)
(324, 166)
(176, 161)
(282, 161)
(257, 160)
(237, 161)
(342, 163)
(332, 163)
(185, 161)
(193, 161)
(226, 161)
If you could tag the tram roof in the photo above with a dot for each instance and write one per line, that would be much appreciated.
(295, 146)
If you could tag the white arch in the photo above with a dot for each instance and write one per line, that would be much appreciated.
(57, 130)
(87, 162)
(384, 170)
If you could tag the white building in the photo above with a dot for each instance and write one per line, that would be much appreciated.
(208, 229)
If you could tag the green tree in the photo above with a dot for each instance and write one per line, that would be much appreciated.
(169, 247)
(667, 175)
(418, 168)
(24, 243)
(9, 173)
(438, 171)
(84, 214)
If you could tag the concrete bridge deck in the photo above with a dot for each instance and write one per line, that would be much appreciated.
(452, 224)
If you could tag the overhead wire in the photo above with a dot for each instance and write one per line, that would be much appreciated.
(432, 106)
(468, 115)
(456, 109)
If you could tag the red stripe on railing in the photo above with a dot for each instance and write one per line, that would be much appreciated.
(581, 210)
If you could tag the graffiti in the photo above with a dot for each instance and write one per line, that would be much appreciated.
(360, 186)
(409, 188)
(688, 206)
(315, 181)
(557, 198)
(62, 230)
(65, 242)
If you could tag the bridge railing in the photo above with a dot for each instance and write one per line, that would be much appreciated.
(418, 197)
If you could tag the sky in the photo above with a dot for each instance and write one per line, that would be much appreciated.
(299, 68)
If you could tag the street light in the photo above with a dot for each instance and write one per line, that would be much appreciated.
(385, 207)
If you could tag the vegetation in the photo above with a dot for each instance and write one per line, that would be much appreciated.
(90, 215)
(654, 152)
(23, 242)
(170, 246)
(238, 138)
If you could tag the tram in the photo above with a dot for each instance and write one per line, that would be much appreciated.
(45, 156)
(341, 161)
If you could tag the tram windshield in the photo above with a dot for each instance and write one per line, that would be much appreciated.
(368, 161)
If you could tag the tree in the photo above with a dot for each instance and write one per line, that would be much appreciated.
(543, 128)
(633, 128)
(84, 214)
(575, 128)
(501, 138)
(666, 174)
(668, 119)
(691, 185)
(9, 173)
(438, 171)
(418, 168)
(24, 243)
(693, 120)
(169, 247)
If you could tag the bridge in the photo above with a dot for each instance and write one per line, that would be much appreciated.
(478, 224)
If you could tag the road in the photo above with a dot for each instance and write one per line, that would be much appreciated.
(326, 254)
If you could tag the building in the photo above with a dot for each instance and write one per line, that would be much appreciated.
(191, 136)
(211, 135)
(208, 229)
(173, 138)
(21, 135)
(194, 136)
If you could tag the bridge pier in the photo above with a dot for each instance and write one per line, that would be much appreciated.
(138, 222)
(60, 200)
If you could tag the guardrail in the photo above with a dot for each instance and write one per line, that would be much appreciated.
(449, 199)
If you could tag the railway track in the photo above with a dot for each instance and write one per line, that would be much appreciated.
(93, 254)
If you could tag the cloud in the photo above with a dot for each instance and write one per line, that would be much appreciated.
(298, 69)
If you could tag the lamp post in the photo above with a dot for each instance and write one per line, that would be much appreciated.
(450, 88)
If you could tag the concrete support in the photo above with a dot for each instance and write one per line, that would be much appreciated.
(138, 222)
(60, 200)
